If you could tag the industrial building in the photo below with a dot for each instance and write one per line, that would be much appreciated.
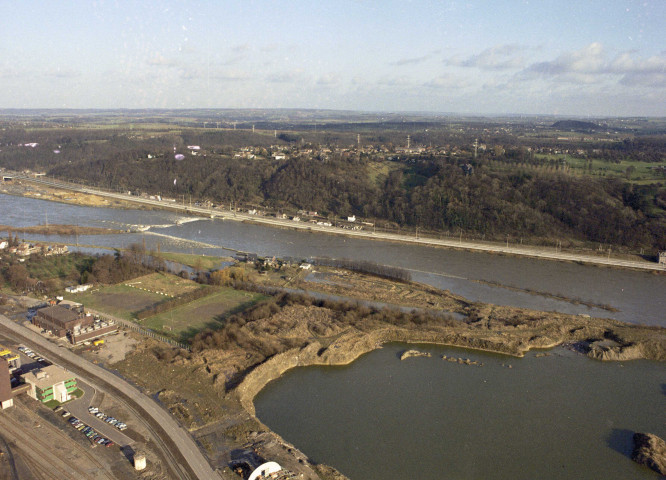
(6, 394)
(50, 383)
(72, 323)
(13, 360)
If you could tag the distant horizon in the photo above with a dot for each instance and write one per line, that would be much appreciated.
(55, 110)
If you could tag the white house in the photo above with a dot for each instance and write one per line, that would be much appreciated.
(78, 288)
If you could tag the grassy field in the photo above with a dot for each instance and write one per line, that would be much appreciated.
(198, 262)
(58, 266)
(208, 312)
(126, 299)
(118, 300)
(636, 172)
(164, 283)
(182, 322)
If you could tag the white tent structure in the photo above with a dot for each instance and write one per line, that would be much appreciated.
(264, 470)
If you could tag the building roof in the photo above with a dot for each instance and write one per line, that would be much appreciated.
(48, 376)
(59, 314)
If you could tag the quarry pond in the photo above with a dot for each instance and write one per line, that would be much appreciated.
(556, 416)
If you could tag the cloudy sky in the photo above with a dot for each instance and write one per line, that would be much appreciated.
(568, 57)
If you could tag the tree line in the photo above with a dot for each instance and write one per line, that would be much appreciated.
(432, 192)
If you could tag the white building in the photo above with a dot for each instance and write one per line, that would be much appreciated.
(50, 383)
(78, 288)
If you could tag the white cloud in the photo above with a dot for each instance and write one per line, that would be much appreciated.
(296, 76)
(231, 75)
(592, 64)
(447, 81)
(158, 60)
(411, 61)
(329, 79)
(501, 57)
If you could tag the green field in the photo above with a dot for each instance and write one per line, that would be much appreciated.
(199, 262)
(171, 285)
(118, 300)
(126, 300)
(185, 321)
(635, 172)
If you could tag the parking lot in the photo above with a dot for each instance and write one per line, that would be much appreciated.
(79, 409)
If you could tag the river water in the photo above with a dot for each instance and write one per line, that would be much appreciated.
(561, 416)
(639, 297)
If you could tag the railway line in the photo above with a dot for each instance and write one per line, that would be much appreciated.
(62, 460)
(182, 456)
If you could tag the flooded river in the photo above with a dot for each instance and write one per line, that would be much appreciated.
(639, 297)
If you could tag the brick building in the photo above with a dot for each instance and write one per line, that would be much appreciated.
(72, 323)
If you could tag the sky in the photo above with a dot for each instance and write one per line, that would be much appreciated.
(562, 57)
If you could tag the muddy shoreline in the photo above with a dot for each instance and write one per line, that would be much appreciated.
(60, 230)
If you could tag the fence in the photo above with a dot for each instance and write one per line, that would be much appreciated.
(144, 331)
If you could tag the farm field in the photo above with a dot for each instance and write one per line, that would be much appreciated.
(118, 300)
(126, 299)
(164, 283)
(185, 321)
(199, 262)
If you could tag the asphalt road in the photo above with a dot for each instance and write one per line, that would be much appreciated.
(451, 243)
(188, 449)
(79, 409)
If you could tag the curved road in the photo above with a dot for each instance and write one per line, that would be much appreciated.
(473, 246)
(196, 461)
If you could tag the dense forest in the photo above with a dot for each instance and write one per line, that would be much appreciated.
(499, 192)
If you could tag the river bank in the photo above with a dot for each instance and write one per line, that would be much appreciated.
(60, 230)
(502, 330)
(586, 256)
